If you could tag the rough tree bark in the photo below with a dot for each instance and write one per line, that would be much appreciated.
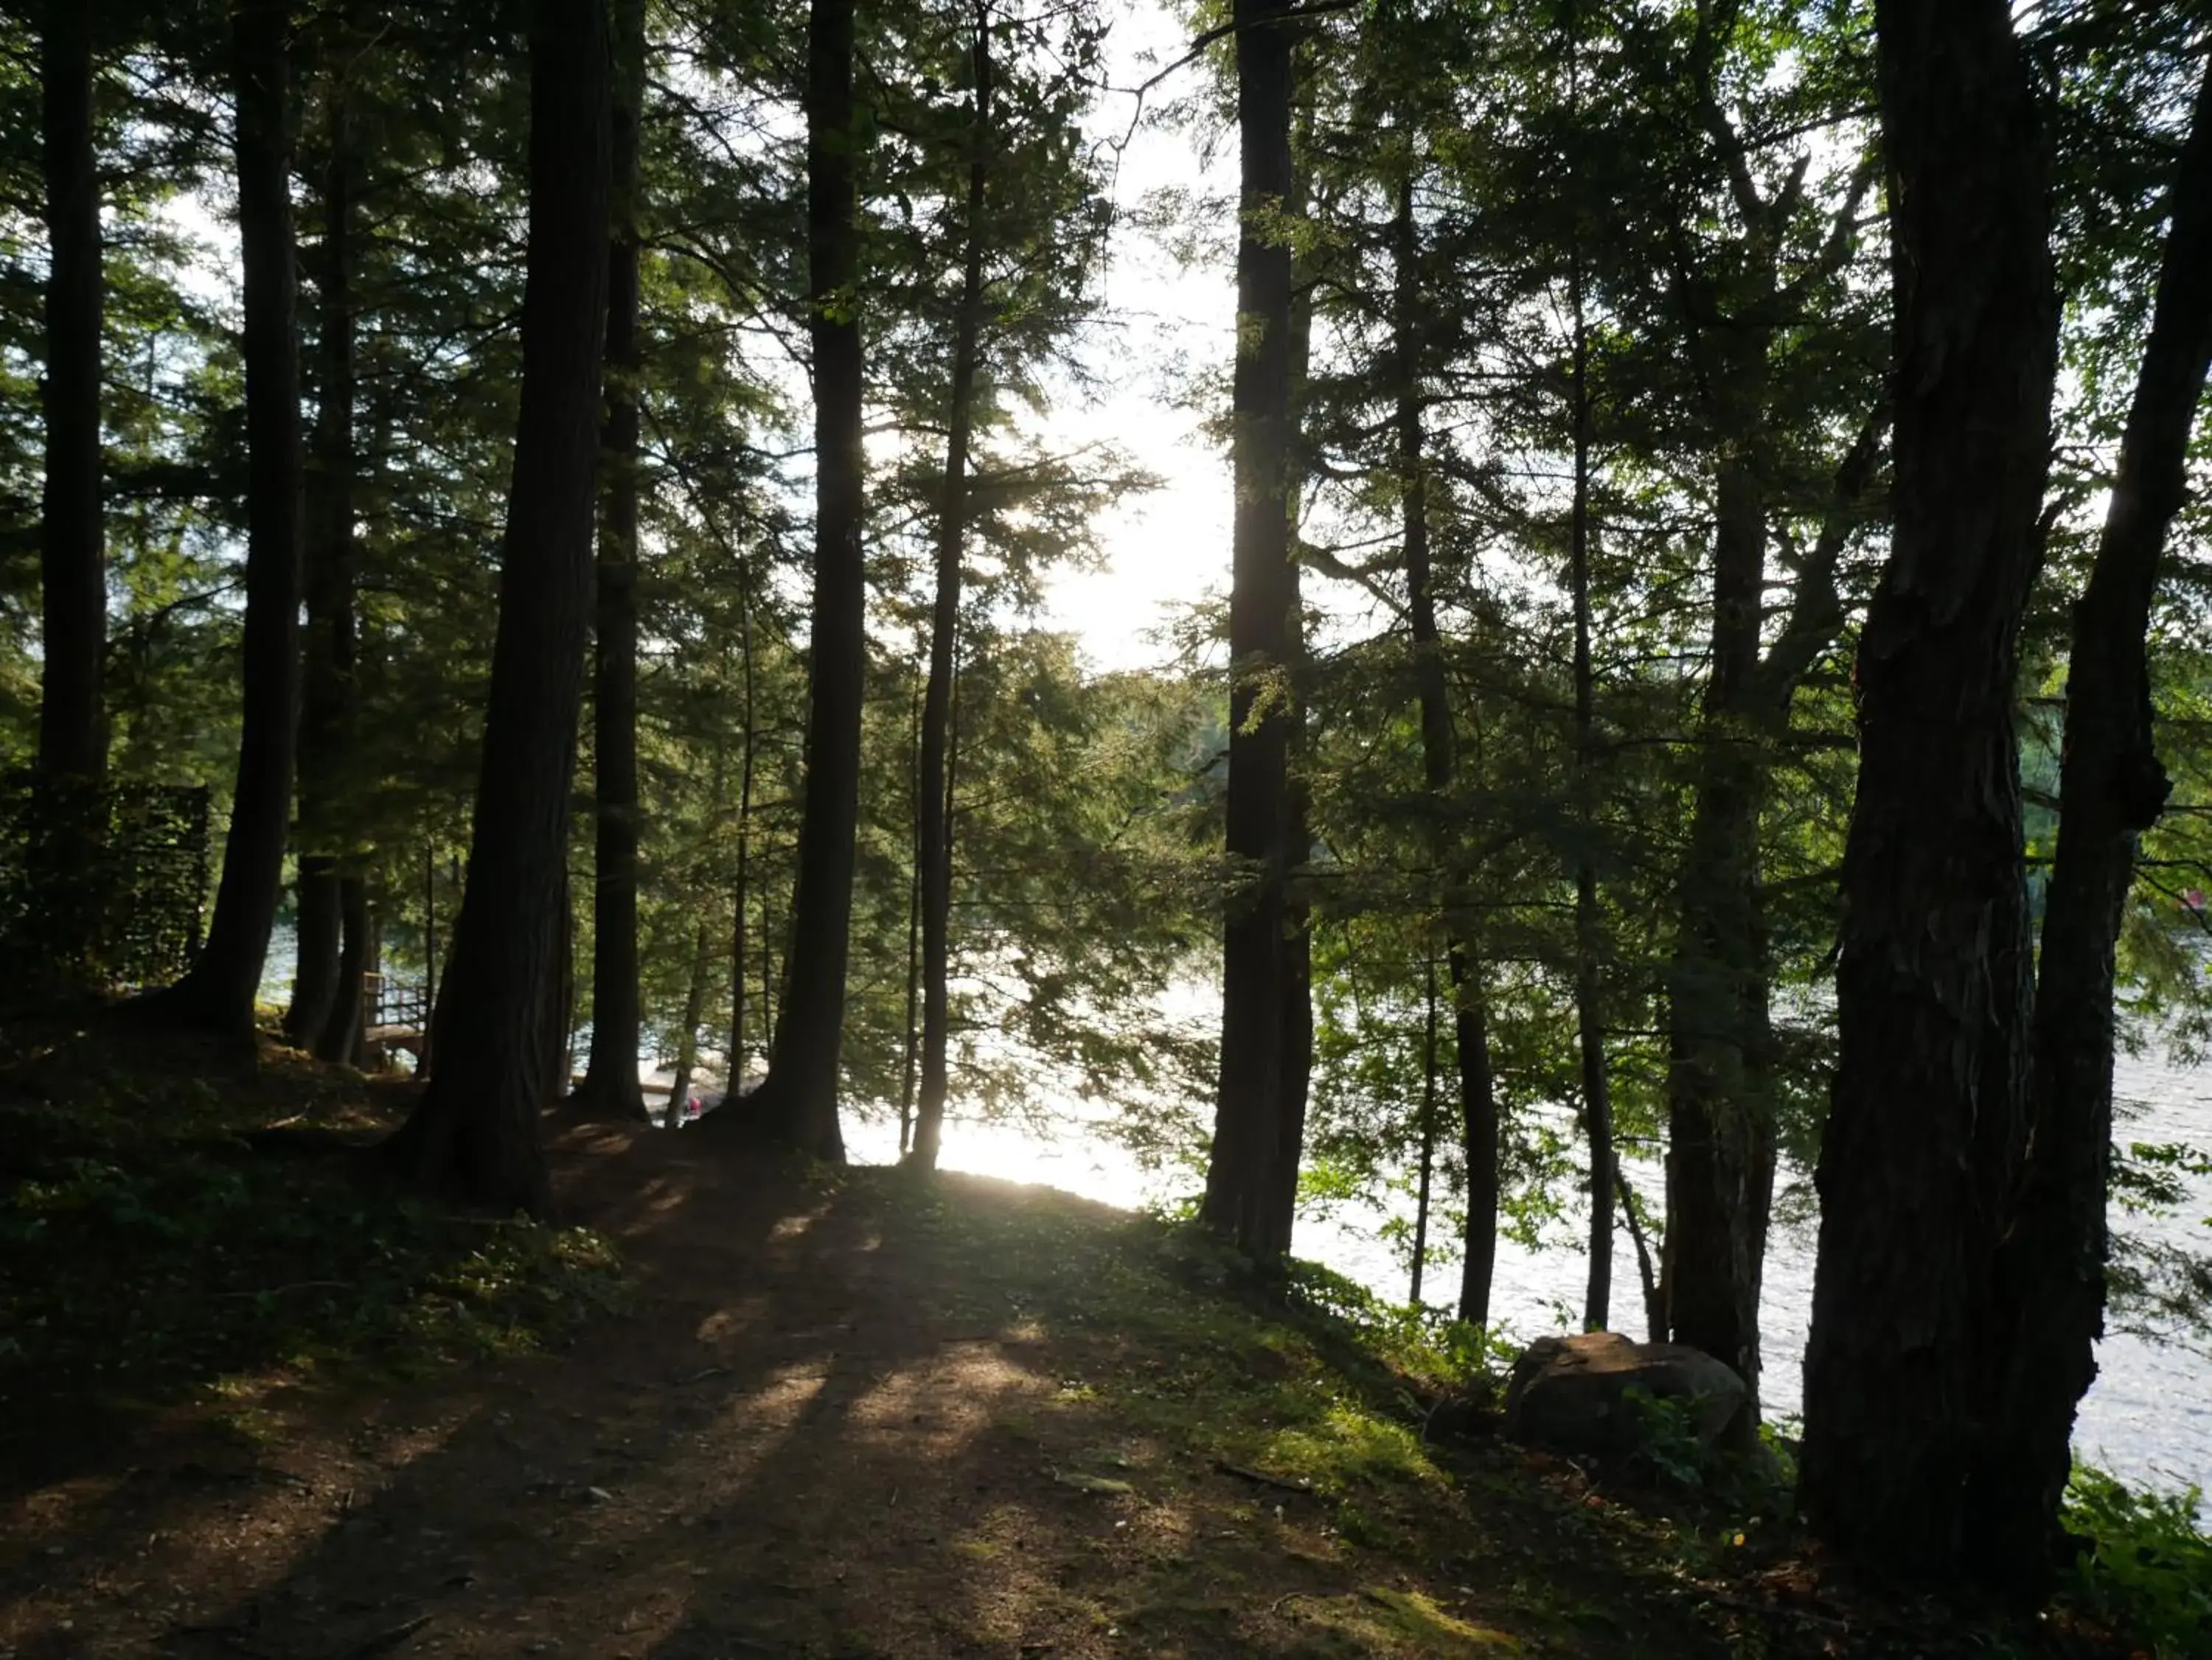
(331, 646)
(73, 617)
(475, 1130)
(1927, 1115)
(1477, 1094)
(1243, 1174)
(2111, 788)
(610, 1088)
(798, 1101)
(934, 833)
(218, 994)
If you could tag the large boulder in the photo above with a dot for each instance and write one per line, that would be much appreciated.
(1573, 1392)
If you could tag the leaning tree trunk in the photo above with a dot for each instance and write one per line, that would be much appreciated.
(797, 1102)
(1439, 761)
(610, 1088)
(1932, 995)
(218, 994)
(1243, 1174)
(934, 851)
(2111, 788)
(73, 622)
(329, 692)
(476, 1131)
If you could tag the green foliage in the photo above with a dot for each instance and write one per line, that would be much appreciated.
(149, 1249)
(2146, 1566)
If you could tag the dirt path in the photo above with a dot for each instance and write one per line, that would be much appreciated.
(857, 1418)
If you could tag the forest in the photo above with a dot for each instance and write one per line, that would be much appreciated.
(544, 550)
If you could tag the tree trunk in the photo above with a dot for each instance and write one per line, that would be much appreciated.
(737, 1065)
(345, 1025)
(1297, 1030)
(769, 978)
(2111, 788)
(331, 651)
(1720, 1155)
(1244, 1175)
(429, 957)
(610, 1088)
(910, 1050)
(1654, 1301)
(797, 1102)
(218, 994)
(475, 1130)
(73, 625)
(1597, 1099)
(1439, 762)
(1428, 1129)
(935, 850)
(1926, 1119)
(687, 1040)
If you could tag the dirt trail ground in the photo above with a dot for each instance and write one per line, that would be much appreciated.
(845, 1418)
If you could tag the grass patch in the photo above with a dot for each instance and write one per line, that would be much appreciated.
(1403, 1625)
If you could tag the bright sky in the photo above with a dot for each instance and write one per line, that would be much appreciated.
(1165, 549)
(1169, 547)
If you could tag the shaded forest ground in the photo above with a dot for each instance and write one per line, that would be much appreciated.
(257, 1405)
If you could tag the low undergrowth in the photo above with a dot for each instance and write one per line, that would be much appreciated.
(1386, 1416)
(157, 1243)
(2146, 1568)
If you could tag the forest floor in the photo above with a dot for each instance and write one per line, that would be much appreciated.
(819, 1413)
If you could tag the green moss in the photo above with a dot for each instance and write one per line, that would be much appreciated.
(1404, 1625)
